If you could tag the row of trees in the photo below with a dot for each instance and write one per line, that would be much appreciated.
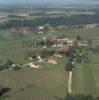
(43, 53)
(36, 44)
(63, 20)
(76, 54)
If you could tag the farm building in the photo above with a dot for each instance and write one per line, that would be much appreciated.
(91, 25)
(71, 41)
(83, 43)
(40, 29)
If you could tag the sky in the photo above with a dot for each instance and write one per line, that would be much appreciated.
(48, 1)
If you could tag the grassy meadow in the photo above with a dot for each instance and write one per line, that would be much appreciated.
(47, 83)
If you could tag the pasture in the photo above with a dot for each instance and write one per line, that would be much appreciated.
(47, 83)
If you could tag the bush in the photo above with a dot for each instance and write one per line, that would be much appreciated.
(8, 63)
(4, 90)
(3, 67)
(16, 68)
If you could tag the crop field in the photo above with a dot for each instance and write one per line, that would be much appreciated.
(86, 80)
(70, 13)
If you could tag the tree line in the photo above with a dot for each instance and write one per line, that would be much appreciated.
(53, 21)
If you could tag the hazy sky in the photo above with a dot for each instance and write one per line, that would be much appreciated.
(47, 1)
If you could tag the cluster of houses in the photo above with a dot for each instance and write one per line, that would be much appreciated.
(63, 44)
(39, 62)
(40, 29)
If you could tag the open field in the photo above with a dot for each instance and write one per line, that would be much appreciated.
(79, 13)
(47, 83)
(86, 80)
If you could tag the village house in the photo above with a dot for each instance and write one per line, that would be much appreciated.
(24, 30)
(70, 41)
(36, 66)
(40, 29)
(54, 59)
(63, 49)
(51, 28)
(83, 43)
(91, 25)
(53, 40)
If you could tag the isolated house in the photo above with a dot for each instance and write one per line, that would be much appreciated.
(40, 29)
(24, 29)
(91, 25)
(34, 65)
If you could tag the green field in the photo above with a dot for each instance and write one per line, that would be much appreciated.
(47, 83)
(86, 80)
(70, 13)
